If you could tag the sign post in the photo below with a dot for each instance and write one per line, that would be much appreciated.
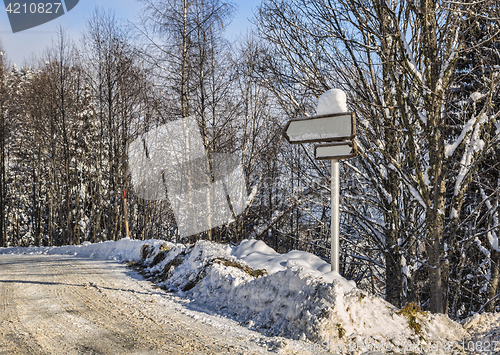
(335, 215)
(125, 207)
(332, 124)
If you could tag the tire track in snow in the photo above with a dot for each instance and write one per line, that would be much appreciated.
(67, 305)
(14, 337)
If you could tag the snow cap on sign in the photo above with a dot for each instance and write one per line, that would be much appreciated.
(332, 101)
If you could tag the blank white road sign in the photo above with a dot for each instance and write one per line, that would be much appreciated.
(340, 150)
(324, 128)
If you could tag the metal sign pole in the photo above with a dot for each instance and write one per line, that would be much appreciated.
(335, 215)
(332, 124)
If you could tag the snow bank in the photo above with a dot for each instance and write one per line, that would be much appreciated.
(297, 297)
(124, 249)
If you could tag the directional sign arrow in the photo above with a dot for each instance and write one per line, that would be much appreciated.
(323, 128)
(340, 127)
(338, 150)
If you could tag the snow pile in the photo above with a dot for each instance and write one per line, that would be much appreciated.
(297, 296)
(125, 250)
(259, 255)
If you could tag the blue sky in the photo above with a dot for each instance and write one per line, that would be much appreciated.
(19, 46)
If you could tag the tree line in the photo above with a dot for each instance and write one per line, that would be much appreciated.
(420, 203)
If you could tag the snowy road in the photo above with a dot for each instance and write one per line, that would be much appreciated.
(68, 305)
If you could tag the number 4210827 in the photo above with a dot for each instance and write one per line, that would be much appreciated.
(33, 8)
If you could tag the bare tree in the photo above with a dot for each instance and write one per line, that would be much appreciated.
(189, 55)
(395, 60)
(118, 87)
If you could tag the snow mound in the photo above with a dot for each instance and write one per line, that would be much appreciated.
(258, 255)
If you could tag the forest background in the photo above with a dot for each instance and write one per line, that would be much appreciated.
(420, 215)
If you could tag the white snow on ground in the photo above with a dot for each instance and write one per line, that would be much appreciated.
(124, 249)
(260, 256)
(485, 333)
(297, 296)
